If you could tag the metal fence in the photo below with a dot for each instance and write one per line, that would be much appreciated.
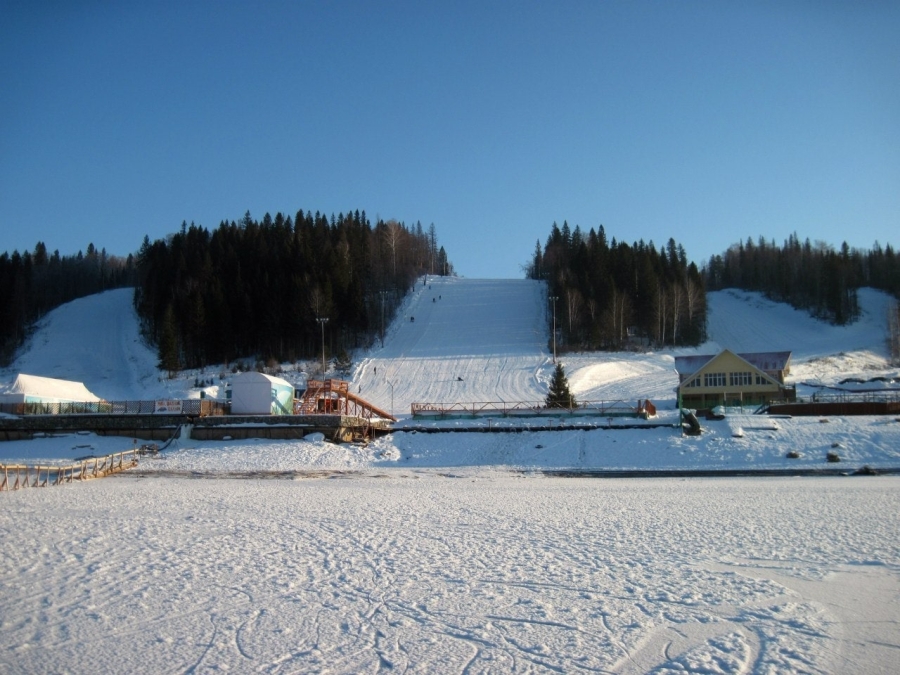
(531, 409)
(193, 407)
(880, 396)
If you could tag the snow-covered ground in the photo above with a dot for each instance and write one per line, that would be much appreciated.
(451, 572)
(452, 552)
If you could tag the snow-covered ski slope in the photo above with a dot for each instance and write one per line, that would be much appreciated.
(747, 322)
(461, 340)
(95, 340)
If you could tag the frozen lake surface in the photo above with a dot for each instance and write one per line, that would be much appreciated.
(452, 572)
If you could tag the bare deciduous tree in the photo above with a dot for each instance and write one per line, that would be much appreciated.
(393, 232)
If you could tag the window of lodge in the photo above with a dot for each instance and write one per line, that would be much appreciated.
(713, 379)
(740, 379)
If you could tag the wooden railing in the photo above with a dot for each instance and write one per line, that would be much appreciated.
(18, 476)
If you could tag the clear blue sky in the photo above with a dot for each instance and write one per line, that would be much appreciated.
(704, 121)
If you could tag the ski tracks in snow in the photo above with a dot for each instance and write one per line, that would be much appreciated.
(451, 573)
(471, 341)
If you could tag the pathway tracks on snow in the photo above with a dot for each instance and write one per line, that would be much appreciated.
(454, 575)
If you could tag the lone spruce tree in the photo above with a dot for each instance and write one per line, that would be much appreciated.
(559, 395)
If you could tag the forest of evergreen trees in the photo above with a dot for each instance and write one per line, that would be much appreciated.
(257, 288)
(34, 282)
(611, 295)
(814, 277)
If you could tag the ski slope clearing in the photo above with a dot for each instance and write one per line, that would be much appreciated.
(822, 354)
(748, 322)
(461, 340)
(456, 573)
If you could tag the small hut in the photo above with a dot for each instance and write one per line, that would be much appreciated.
(260, 394)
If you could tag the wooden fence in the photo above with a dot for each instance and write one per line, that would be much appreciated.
(17, 476)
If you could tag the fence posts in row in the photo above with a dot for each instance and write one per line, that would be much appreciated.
(17, 476)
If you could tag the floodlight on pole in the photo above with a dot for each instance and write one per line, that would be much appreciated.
(553, 299)
(322, 321)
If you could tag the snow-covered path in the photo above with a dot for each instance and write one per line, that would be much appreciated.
(453, 573)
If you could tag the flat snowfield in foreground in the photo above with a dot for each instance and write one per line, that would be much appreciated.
(451, 572)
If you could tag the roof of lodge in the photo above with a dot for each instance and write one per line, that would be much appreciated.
(764, 361)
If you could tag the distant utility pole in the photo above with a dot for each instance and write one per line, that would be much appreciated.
(553, 299)
(392, 394)
(383, 294)
(678, 401)
(322, 321)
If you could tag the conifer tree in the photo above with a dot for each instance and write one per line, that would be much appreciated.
(559, 395)
(168, 343)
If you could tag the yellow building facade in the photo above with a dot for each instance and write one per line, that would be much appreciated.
(733, 380)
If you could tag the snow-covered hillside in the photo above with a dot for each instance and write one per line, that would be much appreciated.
(461, 340)
(472, 340)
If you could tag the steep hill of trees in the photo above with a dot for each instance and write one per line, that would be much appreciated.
(814, 277)
(257, 288)
(34, 282)
(610, 294)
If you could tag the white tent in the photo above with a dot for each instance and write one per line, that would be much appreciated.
(36, 389)
(260, 394)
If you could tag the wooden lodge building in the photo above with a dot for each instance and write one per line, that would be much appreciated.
(733, 380)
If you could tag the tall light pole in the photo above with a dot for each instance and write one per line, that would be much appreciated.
(392, 394)
(322, 321)
(553, 299)
(678, 402)
(383, 293)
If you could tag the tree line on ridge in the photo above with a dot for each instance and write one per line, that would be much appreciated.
(810, 276)
(612, 295)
